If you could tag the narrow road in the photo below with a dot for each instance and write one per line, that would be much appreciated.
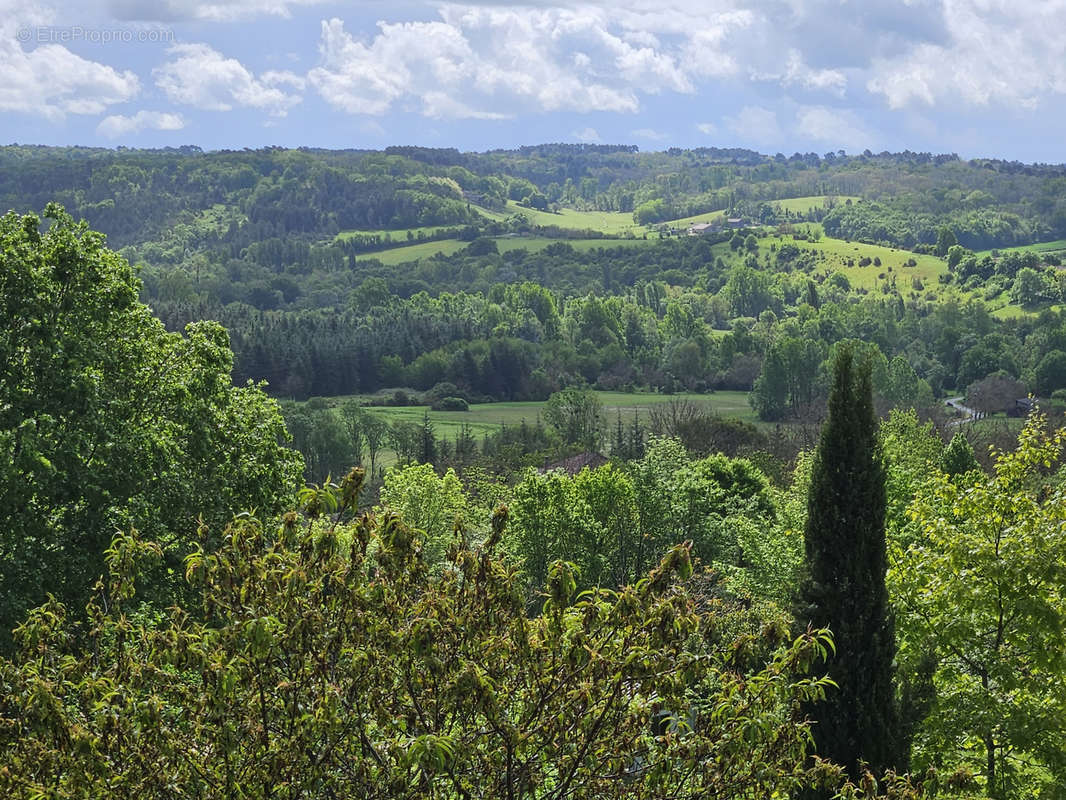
(968, 414)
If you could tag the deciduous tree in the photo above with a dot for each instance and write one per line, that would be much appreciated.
(982, 590)
(107, 420)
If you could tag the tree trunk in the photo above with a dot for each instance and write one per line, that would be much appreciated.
(990, 768)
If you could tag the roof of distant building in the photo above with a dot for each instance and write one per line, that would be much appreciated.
(574, 464)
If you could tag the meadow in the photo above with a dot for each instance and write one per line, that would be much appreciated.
(804, 205)
(486, 418)
(413, 252)
(834, 255)
(612, 223)
(797, 205)
(1057, 246)
(398, 235)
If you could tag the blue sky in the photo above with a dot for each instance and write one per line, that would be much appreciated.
(976, 77)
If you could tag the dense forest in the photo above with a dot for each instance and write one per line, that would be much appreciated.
(227, 571)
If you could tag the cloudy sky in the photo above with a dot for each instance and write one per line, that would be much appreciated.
(976, 77)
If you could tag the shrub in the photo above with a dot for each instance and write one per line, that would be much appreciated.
(450, 404)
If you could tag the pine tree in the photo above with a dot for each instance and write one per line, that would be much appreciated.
(844, 588)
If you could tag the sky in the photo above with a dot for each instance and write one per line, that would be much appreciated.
(980, 78)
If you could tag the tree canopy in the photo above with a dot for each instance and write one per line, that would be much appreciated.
(107, 421)
(328, 662)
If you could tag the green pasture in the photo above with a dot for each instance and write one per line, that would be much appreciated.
(399, 236)
(609, 222)
(797, 205)
(412, 252)
(834, 255)
(1057, 246)
(803, 205)
(485, 418)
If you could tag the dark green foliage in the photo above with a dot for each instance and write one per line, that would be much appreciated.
(1051, 373)
(107, 421)
(844, 588)
(958, 457)
(577, 416)
(945, 240)
(450, 404)
(740, 479)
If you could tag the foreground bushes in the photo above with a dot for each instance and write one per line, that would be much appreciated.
(322, 659)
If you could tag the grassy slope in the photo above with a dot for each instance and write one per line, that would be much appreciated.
(833, 255)
(609, 222)
(399, 235)
(799, 205)
(413, 252)
(802, 205)
(1057, 246)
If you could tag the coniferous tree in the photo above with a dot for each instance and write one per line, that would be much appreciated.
(844, 588)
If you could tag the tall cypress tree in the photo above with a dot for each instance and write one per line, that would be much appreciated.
(844, 588)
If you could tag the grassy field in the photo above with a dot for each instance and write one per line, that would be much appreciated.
(610, 222)
(399, 236)
(486, 418)
(802, 205)
(834, 255)
(413, 252)
(1057, 246)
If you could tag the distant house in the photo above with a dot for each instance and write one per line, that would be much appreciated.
(574, 464)
(700, 228)
(1023, 406)
(736, 222)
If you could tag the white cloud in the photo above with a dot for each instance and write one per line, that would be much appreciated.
(837, 128)
(506, 59)
(554, 56)
(199, 76)
(797, 73)
(589, 135)
(440, 105)
(49, 79)
(118, 125)
(710, 39)
(997, 52)
(404, 59)
(756, 124)
(651, 133)
(708, 128)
